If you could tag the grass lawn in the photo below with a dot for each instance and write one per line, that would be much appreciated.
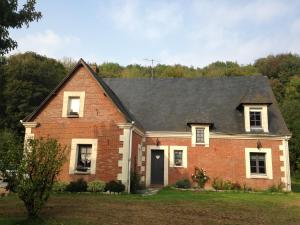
(167, 207)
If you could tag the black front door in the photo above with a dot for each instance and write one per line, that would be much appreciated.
(157, 167)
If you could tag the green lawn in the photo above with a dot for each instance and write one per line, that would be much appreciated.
(167, 207)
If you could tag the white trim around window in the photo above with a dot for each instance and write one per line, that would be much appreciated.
(206, 135)
(74, 151)
(67, 96)
(184, 156)
(268, 163)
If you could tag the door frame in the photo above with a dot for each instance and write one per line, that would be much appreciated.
(165, 148)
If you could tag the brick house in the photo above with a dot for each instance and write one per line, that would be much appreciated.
(230, 126)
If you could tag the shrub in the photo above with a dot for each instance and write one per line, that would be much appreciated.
(200, 177)
(184, 183)
(217, 183)
(115, 186)
(227, 185)
(96, 186)
(220, 184)
(77, 186)
(236, 186)
(41, 163)
(135, 179)
(276, 188)
(59, 186)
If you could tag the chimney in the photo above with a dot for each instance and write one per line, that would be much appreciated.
(94, 68)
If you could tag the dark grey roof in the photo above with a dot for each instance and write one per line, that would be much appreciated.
(169, 104)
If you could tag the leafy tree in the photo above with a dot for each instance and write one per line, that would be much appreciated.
(135, 71)
(13, 16)
(39, 167)
(280, 67)
(110, 70)
(68, 63)
(29, 78)
(11, 151)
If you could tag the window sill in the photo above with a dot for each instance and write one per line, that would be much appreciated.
(259, 176)
(82, 172)
(73, 116)
(200, 143)
(178, 166)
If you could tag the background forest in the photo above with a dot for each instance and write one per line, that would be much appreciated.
(26, 79)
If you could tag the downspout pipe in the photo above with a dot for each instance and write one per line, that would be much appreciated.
(129, 158)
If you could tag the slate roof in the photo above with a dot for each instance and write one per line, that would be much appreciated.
(169, 104)
(172, 104)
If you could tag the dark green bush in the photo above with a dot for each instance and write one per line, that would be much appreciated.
(115, 186)
(135, 179)
(184, 183)
(77, 186)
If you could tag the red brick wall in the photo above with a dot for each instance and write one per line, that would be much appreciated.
(99, 121)
(224, 158)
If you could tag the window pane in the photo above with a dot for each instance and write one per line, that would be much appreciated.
(199, 135)
(253, 169)
(255, 119)
(84, 157)
(258, 163)
(262, 170)
(74, 105)
(178, 157)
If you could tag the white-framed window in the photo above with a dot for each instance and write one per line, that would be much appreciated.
(256, 118)
(258, 163)
(200, 135)
(83, 156)
(73, 104)
(178, 156)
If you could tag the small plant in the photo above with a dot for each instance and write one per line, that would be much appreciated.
(227, 185)
(77, 186)
(135, 179)
(96, 186)
(246, 188)
(236, 186)
(200, 177)
(220, 184)
(276, 188)
(184, 183)
(217, 183)
(59, 186)
(115, 186)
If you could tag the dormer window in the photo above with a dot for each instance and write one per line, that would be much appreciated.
(200, 135)
(73, 104)
(256, 118)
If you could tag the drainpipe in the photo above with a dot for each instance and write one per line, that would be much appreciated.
(129, 158)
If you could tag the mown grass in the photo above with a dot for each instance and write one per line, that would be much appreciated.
(169, 206)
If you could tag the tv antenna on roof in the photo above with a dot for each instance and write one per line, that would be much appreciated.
(152, 69)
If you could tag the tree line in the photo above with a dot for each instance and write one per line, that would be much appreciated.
(26, 79)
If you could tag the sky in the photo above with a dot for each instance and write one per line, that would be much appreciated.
(187, 32)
